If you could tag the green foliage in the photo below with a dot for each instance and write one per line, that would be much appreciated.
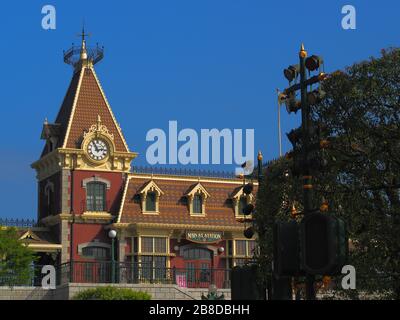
(111, 293)
(361, 181)
(15, 259)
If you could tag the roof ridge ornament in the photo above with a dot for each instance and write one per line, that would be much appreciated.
(98, 128)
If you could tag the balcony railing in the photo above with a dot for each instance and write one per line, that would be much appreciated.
(102, 272)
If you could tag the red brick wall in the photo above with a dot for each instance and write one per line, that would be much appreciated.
(113, 195)
(83, 233)
(55, 179)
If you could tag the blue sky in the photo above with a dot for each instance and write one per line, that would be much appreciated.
(207, 64)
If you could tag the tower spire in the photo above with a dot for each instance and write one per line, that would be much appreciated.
(83, 54)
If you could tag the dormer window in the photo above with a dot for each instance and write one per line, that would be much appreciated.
(50, 133)
(197, 197)
(198, 204)
(242, 204)
(150, 198)
(151, 202)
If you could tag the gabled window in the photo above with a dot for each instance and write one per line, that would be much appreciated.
(150, 197)
(242, 204)
(96, 196)
(197, 204)
(151, 202)
(197, 197)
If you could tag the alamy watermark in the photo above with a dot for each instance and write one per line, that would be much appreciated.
(349, 20)
(196, 150)
(49, 20)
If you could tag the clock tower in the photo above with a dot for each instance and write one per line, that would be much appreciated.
(84, 163)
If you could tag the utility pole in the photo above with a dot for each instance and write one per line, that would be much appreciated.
(300, 138)
(307, 178)
(318, 245)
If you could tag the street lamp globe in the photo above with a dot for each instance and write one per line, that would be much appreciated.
(112, 234)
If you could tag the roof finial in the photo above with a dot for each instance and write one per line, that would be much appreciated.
(303, 52)
(83, 48)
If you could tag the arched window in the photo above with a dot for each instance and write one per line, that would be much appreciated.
(97, 253)
(96, 196)
(198, 204)
(151, 202)
(50, 201)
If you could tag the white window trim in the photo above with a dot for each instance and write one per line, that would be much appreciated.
(150, 187)
(197, 190)
(96, 179)
(236, 201)
(95, 244)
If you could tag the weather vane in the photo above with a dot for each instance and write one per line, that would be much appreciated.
(83, 54)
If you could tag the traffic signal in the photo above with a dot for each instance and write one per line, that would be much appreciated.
(313, 62)
(281, 288)
(294, 137)
(323, 244)
(292, 105)
(316, 96)
(249, 232)
(291, 72)
(244, 284)
(248, 188)
(286, 248)
(248, 209)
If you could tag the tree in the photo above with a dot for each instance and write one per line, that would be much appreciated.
(361, 179)
(15, 259)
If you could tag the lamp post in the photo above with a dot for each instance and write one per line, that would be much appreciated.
(112, 235)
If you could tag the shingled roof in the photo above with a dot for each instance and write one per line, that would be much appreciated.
(83, 102)
(173, 206)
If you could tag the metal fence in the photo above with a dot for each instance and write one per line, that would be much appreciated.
(31, 278)
(185, 172)
(105, 272)
(18, 223)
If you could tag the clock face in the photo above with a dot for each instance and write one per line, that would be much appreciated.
(97, 149)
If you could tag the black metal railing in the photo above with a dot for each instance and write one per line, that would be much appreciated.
(184, 172)
(128, 273)
(18, 223)
(101, 272)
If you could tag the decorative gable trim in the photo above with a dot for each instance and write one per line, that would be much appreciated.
(29, 235)
(121, 208)
(198, 189)
(150, 186)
